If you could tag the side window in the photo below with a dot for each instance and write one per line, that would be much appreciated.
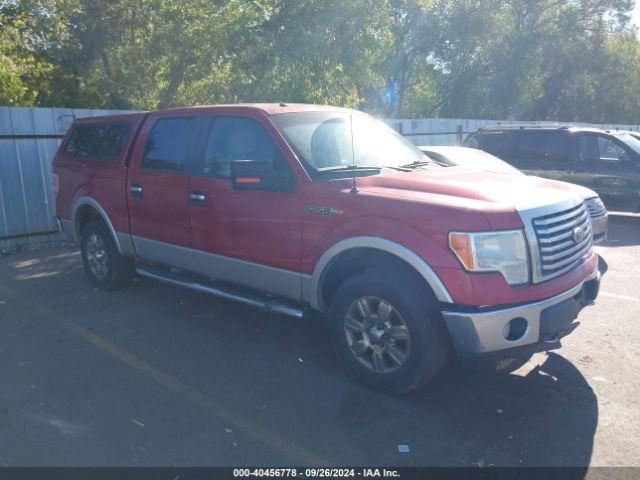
(596, 148)
(169, 139)
(111, 139)
(237, 138)
(492, 142)
(543, 145)
(99, 140)
(81, 141)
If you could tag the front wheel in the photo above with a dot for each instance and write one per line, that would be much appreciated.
(387, 331)
(105, 266)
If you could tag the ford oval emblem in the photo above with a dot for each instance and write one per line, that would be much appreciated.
(579, 234)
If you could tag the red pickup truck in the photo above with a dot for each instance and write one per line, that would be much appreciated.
(298, 207)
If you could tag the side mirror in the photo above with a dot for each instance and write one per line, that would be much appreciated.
(255, 175)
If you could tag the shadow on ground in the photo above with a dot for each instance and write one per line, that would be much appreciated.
(623, 231)
(277, 372)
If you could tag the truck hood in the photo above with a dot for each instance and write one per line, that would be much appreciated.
(584, 192)
(470, 188)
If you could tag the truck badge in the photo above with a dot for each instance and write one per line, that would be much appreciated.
(323, 210)
(579, 234)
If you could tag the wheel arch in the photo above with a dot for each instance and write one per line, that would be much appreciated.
(338, 253)
(86, 209)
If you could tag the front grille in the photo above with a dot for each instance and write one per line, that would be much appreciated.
(563, 239)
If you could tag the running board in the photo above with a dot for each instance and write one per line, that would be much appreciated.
(255, 300)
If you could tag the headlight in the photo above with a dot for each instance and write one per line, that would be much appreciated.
(595, 206)
(504, 252)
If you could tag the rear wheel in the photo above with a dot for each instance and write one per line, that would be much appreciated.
(105, 266)
(387, 330)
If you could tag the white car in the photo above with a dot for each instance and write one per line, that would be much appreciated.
(481, 160)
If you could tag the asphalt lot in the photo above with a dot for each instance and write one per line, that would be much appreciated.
(157, 375)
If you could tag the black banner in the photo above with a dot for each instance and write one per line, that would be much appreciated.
(397, 473)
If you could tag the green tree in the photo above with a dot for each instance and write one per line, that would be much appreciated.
(518, 59)
(23, 67)
(615, 97)
(535, 59)
(314, 51)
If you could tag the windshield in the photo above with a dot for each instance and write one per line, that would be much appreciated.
(630, 141)
(335, 139)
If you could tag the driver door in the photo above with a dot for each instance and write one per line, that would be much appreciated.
(605, 165)
(248, 237)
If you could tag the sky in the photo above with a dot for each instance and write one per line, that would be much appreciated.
(636, 14)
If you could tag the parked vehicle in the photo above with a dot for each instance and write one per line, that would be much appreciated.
(450, 156)
(606, 162)
(481, 160)
(633, 133)
(294, 207)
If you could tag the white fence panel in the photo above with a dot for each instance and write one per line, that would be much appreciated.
(29, 138)
(452, 131)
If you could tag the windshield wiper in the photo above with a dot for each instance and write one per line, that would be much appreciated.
(400, 168)
(348, 168)
(344, 171)
(417, 163)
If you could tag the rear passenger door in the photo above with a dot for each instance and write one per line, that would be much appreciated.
(607, 166)
(544, 153)
(158, 188)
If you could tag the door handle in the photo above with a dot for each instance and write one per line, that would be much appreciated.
(197, 198)
(136, 190)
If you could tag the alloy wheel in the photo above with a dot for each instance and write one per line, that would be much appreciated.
(97, 256)
(377, 335)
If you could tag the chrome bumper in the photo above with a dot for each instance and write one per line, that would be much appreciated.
(599, 227)
(483, 332)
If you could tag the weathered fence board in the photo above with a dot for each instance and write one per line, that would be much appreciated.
(29, 138)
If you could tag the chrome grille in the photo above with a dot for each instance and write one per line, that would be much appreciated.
(563, 239)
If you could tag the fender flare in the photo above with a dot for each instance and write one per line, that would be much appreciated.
(82, 201)
(396, 249)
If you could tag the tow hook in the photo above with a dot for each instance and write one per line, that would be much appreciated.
(557, 335)
(555, 338)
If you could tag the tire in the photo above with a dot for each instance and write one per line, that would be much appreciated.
(105, 266)
(406, 365)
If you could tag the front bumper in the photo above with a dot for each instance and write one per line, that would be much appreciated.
(599, 227)
(480, 331)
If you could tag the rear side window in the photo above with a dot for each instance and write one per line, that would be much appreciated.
(542, 145)
(98, 140)
(492, 142)
(166, 148)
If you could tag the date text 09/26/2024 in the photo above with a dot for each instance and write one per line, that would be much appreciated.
(316, 472)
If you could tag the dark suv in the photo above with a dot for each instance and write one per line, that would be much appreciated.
(605, 161)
